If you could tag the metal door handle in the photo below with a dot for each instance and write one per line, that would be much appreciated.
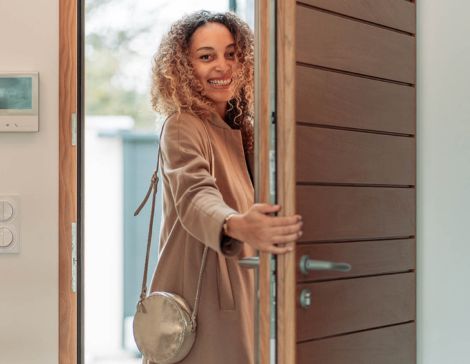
(306, 265)
(249, 262)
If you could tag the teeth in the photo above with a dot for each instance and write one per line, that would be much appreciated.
(220, 82)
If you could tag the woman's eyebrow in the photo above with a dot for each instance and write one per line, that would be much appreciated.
(211, 49)
(205, 49)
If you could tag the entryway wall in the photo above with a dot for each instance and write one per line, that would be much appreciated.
(443, 185)
(29, 167)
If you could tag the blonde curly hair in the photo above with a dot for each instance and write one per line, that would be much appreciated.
(175, 87)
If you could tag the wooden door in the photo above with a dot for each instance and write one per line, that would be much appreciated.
(352, 135)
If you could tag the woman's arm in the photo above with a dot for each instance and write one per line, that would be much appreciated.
(198, 202)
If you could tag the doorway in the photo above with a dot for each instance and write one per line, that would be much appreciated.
(120, 140)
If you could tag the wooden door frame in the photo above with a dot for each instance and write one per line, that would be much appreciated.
(68, 178)
(285, 170)
(70, 21)
(263, 47)
(286, 175)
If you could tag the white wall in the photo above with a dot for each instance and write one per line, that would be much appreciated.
(29, 167)
(443, 184)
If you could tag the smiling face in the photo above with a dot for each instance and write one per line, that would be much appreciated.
(212, 53)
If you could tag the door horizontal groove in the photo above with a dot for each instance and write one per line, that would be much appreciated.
(352, 18)
(357, 130)
(335, 184)
(357, 331)
(356, 74)
(356, 277)
(353, 240)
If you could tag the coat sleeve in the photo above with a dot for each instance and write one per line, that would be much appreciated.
(198, 202)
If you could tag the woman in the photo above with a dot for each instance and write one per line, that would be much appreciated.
(203, 80)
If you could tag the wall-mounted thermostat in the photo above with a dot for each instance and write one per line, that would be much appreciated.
(19, 102)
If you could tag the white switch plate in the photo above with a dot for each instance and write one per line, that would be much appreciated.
(9, 224)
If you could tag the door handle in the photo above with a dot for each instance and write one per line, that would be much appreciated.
(249, 262)
(306, 265)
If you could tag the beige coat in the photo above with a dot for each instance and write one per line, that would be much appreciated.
(194, 208)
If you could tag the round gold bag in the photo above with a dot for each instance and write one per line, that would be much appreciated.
(163, 329)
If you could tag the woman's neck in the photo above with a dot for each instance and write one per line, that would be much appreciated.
(220, 108)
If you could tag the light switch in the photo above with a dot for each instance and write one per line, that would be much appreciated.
(9, 224)
(6, 211)
(6, 237)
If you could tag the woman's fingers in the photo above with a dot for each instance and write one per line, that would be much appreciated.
(286, 238)
(286, 230)
(280, 239)
(266, 208)
(284, 220)
(268, 231)
(273, 249)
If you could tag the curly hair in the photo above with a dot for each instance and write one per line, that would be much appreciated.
(175, 87)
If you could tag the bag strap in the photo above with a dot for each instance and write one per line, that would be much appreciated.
(153, 190)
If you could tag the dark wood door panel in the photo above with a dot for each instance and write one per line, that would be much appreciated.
(342, 156)
(355, 213)
(395, 14)
(353, 46)
(355, 304)
(332, 98)
(388, 345)
(365, 257)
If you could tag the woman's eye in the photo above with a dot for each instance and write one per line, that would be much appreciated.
(205, 57)
(231, 55)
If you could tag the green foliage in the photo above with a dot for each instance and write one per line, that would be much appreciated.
(107, 53)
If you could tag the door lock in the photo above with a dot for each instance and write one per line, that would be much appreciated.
(305, 298)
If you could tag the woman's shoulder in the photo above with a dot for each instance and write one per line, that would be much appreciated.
(183, 127)
(184, 119)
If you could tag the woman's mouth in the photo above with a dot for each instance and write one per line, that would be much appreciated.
(220, 83)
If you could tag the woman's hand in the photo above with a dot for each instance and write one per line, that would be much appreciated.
(262, 231)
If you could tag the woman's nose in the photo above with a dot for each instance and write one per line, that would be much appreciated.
(222, 65)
